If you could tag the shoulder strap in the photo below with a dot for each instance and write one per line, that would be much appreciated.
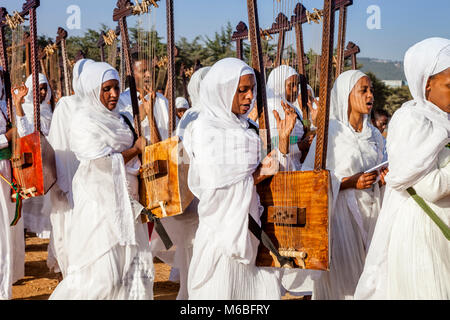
(127, 121)
(441, 225)
(264, 238)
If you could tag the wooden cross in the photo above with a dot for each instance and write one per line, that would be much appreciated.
(258, 66)
(61, 40)
(341, 5)
(325, 85)
(280, 26)
(101, 42)
(239, 35)
(297, 20)
(351, 52)
(121, 12)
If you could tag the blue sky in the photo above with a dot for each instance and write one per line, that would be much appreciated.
(403, 22)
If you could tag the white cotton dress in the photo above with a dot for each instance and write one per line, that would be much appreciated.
(108, 253)
(12, 241)
(409, 257)
(354, 212)
(224, 153)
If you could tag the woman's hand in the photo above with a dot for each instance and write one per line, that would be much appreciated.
(18, 94)
(137, 149)
(140, 145)
(383, 174)
(359, 181)
(285, 126)
(268, 167)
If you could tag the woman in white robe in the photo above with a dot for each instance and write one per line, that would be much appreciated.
(282, 79)
(181, 229)
(58, 202)
(108, 252)
(224, 163)
(409, 257)
(283, 85)
(12, 243)
(354, 146)
(34, 218)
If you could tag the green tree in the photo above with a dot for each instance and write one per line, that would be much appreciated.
(380, 91)
(397, 98)
(220, 46)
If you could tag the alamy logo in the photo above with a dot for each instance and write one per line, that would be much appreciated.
(374, 20)
(74, 20)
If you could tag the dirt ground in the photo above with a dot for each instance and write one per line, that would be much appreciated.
(39, 282)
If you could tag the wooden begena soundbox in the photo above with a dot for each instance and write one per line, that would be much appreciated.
(33, 165)
(296, 204)
(165, 176)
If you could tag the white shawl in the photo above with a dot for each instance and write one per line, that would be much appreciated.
(194, 93)
(406, 164)
(224, 153)
(58, 136)
(102, 214)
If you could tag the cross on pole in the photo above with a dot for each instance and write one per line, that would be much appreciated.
(351, 51)
(341, 5)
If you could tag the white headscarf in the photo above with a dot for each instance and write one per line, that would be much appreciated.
(276, 92)
(181, 103)
(350, 152)
(29, 85)
(77, 69)
(342, 88)
(229, 151)
(109, 131)
(194, 93)
(194, 85)
(431, 126)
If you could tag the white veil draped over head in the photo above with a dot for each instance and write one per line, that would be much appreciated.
(194, 94)
(432, 125)
(58, 137)
(181, 103)
(77, 85)
(345, 155)
(229, 151)
(276, 92)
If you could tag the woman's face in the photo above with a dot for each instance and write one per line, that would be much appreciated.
(291, 84)
(244, 95)
(438, 90)
(361, 98)
(109, 94)
(42, 92)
